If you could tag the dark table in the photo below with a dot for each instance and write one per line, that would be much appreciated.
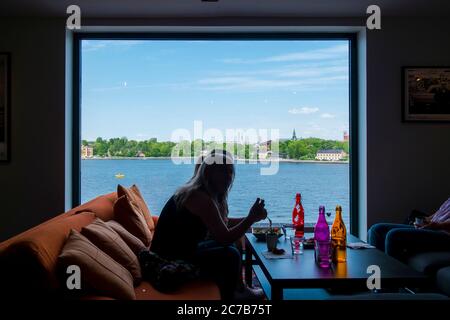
(302, 272)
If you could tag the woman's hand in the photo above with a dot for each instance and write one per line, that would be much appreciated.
(257, 211)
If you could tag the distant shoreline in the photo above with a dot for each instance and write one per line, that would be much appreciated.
(238, 160)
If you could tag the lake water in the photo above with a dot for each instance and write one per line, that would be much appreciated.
(320, 184)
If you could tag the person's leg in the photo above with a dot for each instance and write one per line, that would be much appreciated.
(207, 244)
(376, 236)
(403, 243)
(221, 264)
(240, 246)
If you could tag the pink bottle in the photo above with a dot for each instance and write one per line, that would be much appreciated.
(322, 240)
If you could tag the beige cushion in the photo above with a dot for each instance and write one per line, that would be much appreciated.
(109, 241)
(129, 215)
(99, 272)
(133, 242)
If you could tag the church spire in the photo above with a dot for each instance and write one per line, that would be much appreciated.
(294, 136)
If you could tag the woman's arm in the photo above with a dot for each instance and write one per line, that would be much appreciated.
(427, 219)
(234, 221)
(445, 226)
(201, 205)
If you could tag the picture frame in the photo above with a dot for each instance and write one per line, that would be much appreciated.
(426, 94)
(5, 107)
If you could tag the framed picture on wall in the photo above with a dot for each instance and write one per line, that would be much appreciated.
(426, 93)
(5, 106)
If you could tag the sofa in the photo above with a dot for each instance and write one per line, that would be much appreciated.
(435, 264)
(28, 261)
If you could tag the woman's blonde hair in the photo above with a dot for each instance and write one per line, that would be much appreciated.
(199, 181)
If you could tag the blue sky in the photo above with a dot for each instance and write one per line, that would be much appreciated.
(145, 89)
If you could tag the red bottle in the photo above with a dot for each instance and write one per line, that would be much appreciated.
(298, 217)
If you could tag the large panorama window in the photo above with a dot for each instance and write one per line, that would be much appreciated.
(281, 106)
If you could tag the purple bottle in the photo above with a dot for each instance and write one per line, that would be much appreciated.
(322, 240)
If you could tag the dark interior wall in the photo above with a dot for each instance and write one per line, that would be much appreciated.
(32, 184)
(407, 163)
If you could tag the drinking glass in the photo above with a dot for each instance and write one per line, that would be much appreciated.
(296, 243)
(322, 253)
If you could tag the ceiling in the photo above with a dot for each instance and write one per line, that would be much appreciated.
(223, 8)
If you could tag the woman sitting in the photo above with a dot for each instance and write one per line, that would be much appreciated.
(402, 241)
(200, 208)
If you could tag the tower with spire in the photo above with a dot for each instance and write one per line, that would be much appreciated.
(294, 136)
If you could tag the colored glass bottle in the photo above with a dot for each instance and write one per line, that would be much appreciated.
(322, 240)
(339, 237)
(298, 217)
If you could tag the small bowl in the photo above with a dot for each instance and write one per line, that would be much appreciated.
(260, 230)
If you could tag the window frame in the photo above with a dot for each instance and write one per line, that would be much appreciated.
(351, 37)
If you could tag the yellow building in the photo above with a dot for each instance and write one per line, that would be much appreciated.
(330, 155)
(87, 152)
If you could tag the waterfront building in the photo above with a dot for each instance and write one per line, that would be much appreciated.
(264, 149)
(87, 152)
(330, 155)
(346, 136)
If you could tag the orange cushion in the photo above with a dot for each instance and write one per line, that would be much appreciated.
(155, 220)
(102, 206)
(42, 244)
(133, 242)
(135, 195)
(110, 242)
(98, 271)
(129, 215)
(195, 290)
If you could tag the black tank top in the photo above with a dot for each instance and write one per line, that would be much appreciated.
(177, 233)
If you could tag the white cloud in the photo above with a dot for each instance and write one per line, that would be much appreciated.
(94, 45)
(300, 71)
(303, 110)
(297, 76)
(233, 60)
(314, 71)
(224, 80)
(333, 52)
(245, 83)
(318, 54)
(127, 86)
(327, 115)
